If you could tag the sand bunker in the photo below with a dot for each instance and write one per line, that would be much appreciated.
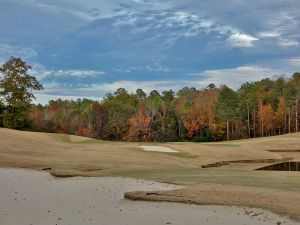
(36, 198)
(157, 149)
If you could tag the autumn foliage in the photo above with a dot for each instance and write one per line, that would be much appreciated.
(139, 125)
(263, 108)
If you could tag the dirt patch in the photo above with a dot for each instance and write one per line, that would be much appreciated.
(255, 161)
(217, 164)
(47, 169)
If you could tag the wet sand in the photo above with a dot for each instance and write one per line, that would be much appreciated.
(37, 198)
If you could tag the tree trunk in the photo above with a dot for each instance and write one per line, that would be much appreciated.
(285, 121)
(290, 121)
(249, 129)
(90, 127)
(254, 123)
(296, 114)
(99, 129)
(227, 130)
(261, 121)
(232, 131)
(262, 128)
(179, 128)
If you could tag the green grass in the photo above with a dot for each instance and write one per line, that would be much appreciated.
(268, 179)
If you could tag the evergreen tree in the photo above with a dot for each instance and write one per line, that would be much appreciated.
(227, 107)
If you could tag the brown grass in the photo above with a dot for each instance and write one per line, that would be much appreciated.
(64, 152)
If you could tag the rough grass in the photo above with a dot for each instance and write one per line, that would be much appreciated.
(269, 179)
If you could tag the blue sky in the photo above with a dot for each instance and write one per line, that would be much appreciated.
(86, 48)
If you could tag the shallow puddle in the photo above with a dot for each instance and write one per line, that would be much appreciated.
(284, 166)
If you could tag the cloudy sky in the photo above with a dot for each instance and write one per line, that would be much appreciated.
(86, 48)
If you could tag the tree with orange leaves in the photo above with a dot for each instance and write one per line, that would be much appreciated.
(266, 116)
(279, 116)
(139, 126)
(197, 118)
(36, 116)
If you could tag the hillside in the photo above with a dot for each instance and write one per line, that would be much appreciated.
(72, 153)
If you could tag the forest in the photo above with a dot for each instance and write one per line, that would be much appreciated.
(267, 107)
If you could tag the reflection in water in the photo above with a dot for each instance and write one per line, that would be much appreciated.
(285, 166)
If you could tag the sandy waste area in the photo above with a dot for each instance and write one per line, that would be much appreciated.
(37, 198)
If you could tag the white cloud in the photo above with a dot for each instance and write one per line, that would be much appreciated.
(91, 10)
(293, 62)
(283, 23)
(149, 68)
(241, 40)
(131, 20)
(288, 42)
(284, 26)
(173, 25)
(194, 17)
(131, 86)
(69, 73)
(234, 77)
(99, 90)
(41, 73)
(195, 25)
(122, 70)
(7, 51)
(82, 9)
(45, 98)
(269, 34)
(158, 68)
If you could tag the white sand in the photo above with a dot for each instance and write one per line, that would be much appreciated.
(157, 149)
(36, 198)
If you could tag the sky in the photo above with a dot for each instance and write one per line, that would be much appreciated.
(87, 48)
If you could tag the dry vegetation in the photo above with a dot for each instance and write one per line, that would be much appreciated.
(233, 184)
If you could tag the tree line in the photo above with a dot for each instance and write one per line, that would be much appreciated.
(264, 108)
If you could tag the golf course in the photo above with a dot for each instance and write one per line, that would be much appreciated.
(215, 174)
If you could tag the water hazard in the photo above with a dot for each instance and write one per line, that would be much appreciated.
(284, 166)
